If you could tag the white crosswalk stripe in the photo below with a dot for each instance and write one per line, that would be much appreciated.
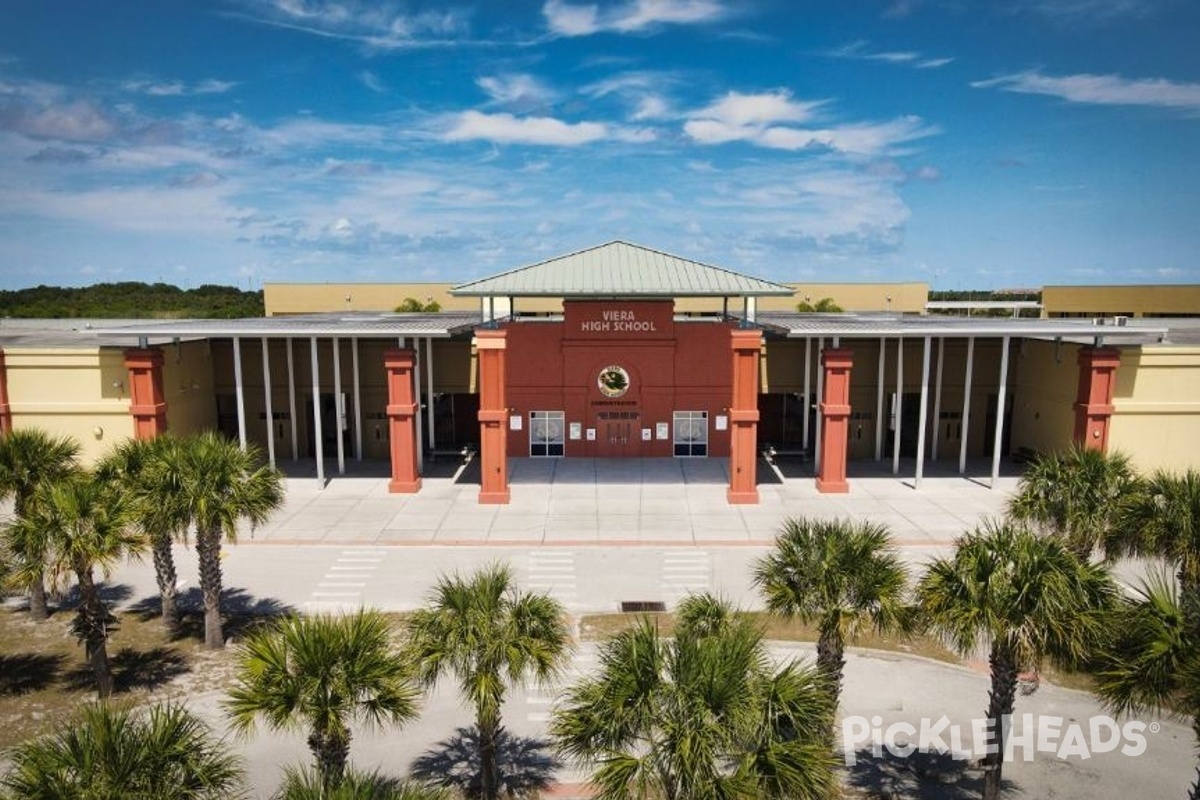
(341, 588)
(553, 572)
(685, 572)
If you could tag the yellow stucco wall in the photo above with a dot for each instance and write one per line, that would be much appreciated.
(1159, 300)
(308, 298)
(907, 298)
(188, 387)
(80, 393)
(83, 393)
(1044, 396)
(1156, 420)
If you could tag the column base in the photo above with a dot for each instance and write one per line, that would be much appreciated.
(833, 487)
(500, 498)
(404, 487)
(749, 498)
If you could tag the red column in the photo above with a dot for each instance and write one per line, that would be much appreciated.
(147, 403)
(5, 410)
(490, 344)
(402, 420)
(1093, 404)
(743, 417)
(835, 420)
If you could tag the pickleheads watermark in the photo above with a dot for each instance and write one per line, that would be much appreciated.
(1041, 733)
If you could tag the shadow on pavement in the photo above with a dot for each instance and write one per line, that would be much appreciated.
(526, 765)
(920, 776)
(241, 611)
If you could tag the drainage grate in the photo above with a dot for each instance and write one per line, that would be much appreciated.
(642, 606)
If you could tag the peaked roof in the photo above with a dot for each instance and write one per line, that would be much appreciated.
(620, 269)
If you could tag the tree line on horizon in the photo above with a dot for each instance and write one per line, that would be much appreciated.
(131, 300)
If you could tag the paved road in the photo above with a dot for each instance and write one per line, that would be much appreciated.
(587, 579)
(887, 686)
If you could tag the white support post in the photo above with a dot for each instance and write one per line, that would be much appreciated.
(807, 386)
(240, 388)
(879, 401)
(966, 408)
(358, 442)
(921, 429)
(416, 381)
(339, 411)
(318, 435)
(937, 397)
(291, 365)
(270, 405)
(897, 406)
(429, 389)
(820, 398)
(1001, 397)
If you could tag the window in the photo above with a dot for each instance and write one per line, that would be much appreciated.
(546, 432)
(691, 433)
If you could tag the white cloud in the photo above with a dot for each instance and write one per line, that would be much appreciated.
(507, 129)
(858, 139)
(177, 88)
(1102, 89)
(79, 121)
(569, 19)
(758, 118)
(651, 107)
(860, 51)
(372, 81)
(376, 25)
(738, 110)
(516, 89)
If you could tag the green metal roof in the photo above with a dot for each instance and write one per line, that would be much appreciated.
(620, 269)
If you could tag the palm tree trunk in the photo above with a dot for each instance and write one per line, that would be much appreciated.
(1001, 700)
(37, 599)
(164, 571)
(489, 774)
(831, 657)
(208, 548)
(332, 751)
(93, 628)
(1194, 793)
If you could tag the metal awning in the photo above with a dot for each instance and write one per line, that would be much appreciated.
(433, 325)
(796, 325)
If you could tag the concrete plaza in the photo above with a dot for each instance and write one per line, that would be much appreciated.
(656, 501)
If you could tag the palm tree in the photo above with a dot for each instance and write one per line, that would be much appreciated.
(215, 484)
(1074, 494)
(840, 575)
(1025, 598)
(86, 526)
(1152, 659)
(307, 785)
(488, 635)
(124, 754)
(129, 467)
(30, 458)
(320, 674)
(700, 715)
(1163, 519)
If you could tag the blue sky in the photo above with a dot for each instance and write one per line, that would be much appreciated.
(965, 143)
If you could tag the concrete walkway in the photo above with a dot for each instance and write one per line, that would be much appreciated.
(654, 501)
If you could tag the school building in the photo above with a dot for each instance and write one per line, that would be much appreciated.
(621, 351)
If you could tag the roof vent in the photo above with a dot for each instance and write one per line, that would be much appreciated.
(1121, 321)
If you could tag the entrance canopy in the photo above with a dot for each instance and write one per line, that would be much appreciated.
(620, 270)
(873, 326)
